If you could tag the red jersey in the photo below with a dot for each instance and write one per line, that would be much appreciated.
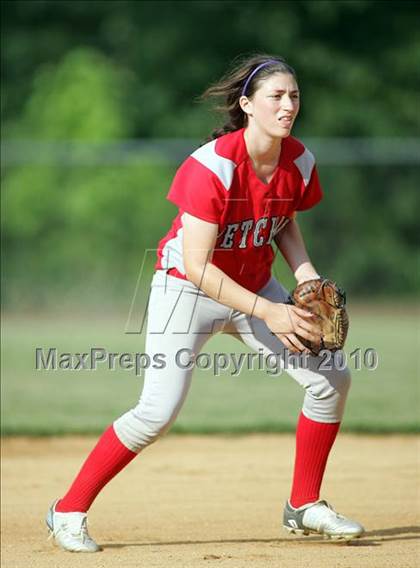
(217, 183)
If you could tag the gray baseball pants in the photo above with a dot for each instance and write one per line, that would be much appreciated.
(180, 317)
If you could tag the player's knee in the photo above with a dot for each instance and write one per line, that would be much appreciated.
(156, 426)
(325, 400)
(137, 430)
(332, 383)
(339, 382)
(343, 382)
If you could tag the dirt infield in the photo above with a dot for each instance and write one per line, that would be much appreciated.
(214, 501)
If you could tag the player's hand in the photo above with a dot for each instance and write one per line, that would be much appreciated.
(287, 321)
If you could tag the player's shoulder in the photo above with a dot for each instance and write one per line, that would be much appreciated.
(221, 156)
(296, 148)
(301, 156)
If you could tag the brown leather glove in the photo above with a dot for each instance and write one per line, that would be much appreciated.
(324, 298)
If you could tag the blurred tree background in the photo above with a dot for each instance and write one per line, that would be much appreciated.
(79, 75)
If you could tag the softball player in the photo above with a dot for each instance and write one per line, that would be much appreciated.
(237, 197)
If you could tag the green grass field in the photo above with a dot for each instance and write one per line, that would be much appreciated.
(60, 402)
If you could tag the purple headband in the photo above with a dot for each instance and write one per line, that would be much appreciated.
(260, 66)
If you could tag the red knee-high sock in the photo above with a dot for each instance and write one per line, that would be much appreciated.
(314, 441)
(107, 458)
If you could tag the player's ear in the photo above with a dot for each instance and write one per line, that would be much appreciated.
(246, 105)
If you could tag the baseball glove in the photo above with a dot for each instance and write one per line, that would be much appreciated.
(324, 298)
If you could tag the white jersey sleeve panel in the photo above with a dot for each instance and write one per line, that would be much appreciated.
(305, 164)
(222, 167)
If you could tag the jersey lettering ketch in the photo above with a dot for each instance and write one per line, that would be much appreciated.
(217, 183)
(257, 230)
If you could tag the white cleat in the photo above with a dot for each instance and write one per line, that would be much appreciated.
(70, 531)
(320, 518)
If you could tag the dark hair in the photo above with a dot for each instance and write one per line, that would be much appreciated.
(231, 85)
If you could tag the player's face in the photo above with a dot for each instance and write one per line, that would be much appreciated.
(275, 105)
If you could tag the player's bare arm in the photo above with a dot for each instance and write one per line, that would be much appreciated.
(291, 245)
(284, 320)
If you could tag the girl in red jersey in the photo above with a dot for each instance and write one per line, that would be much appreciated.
(237, 198)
